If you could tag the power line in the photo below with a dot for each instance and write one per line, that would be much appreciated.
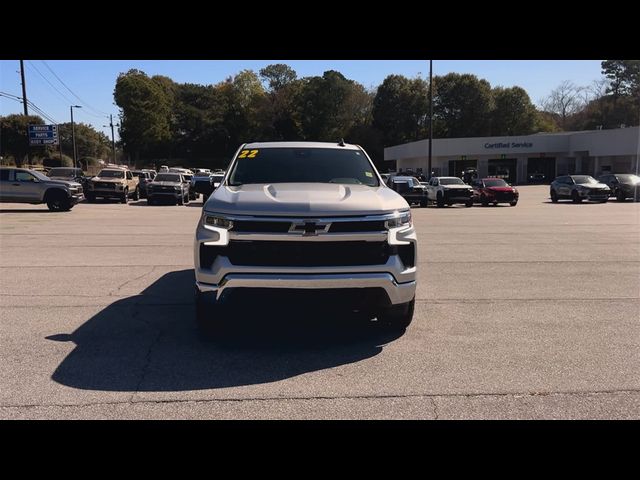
(72, 93)
(30, 103)
(66, 99)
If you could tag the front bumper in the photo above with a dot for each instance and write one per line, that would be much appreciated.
(397, 292)
(78, 197)
(164, 195)
(392, 275)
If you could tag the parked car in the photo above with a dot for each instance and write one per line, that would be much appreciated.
(537, 178)
(449, 190)
(113, 182)
(470, 175)
(494, 190)
(144, 177)
(410, 189)
(168, 187)
(20, 185)
(578, 188)
(622, 185)
(69, 174)
(306, 216)
(152, 173)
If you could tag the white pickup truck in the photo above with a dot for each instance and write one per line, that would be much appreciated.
(449, 190)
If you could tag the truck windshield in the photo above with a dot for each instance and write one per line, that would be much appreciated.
(302, 165)
(64, 172)
(167, 177)
(451, 181)
(111, 174)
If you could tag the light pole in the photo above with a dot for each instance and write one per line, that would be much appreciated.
(113, 141)
(430, 111)
(73, 136)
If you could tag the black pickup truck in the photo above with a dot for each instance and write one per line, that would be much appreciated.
(206, 184)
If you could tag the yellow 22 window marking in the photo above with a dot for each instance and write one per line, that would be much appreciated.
(248, 153)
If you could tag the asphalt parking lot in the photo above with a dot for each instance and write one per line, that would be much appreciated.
(522, 312)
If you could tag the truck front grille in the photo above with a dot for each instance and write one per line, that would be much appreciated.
(297, 254)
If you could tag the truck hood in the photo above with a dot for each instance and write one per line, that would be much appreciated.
(107, 179)
(164, 184)
(304, 199)
(66, 183)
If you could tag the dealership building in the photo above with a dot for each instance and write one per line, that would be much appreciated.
(591, 152)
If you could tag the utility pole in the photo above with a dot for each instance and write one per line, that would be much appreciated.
(24, 88)
(73, 136)
(113, 141)
(430, 112)
(24, 104)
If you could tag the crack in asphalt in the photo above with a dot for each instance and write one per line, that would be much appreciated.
(147, 358)
(435, 407)
(115, 292)
(431, 397)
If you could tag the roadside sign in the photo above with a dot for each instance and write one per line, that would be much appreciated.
(43, 135)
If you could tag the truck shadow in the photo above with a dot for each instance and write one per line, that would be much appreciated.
(149, 342)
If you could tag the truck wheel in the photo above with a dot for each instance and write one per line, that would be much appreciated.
(398, 317)
(484, 201)
(423, 203)
(186, 199)
(136, 194)
(57, 201)
(91, 198)
(209, 315)
(513, 204)
(554, 196)
(468, 203)
(180, 201)
(620, 196)
(150, 201)
(125, 197)
(440, 200)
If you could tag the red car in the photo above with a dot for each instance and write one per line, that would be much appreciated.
(494, 190)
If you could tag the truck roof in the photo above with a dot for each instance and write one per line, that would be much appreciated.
(259, 145)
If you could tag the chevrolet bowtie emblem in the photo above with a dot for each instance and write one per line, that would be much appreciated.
(309, 228)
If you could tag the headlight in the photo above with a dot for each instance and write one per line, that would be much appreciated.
(209, 221)
(401, 219)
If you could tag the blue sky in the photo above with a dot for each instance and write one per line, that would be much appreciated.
(93, 80)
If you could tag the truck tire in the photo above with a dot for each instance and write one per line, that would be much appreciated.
(180, 201)
(620, 196)
(91, 198)
(554, 196)
(468, 203)
(209, 315)
(58, 201)
(484, 201)
(398, 317)
(136, 195)
(439, 200)
(424, 203)
(125, 196)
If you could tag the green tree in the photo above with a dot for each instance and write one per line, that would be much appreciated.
(278, 76)
(462, 106)
(400, 109)
(513, 113)
(328, 107)
(624, 76)
(89, 141)
(145, 111)
(14, 136)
